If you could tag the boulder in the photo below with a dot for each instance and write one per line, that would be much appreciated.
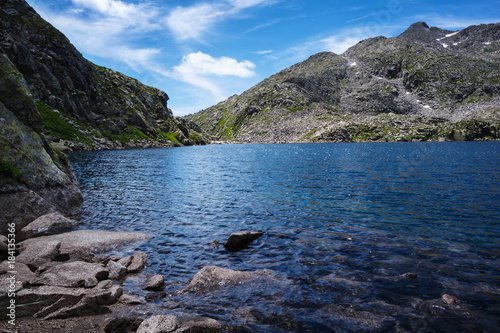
(130, 299)
(53, 302)
(91, 240)
(138, 262)
(74, 274)
(37, 254)
(91, 302)
(168, 323)
(104, 284)
(240, 240)
(159, 324)
(46, 225)
(212, 278)
(116, 270)
(155, 282)
(125, 262)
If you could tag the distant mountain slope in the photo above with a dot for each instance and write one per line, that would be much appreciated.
(80, 102)
(426, 84)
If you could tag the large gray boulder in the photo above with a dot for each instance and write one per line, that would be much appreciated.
(74, 274)
(212, 278)
(36, 254)
(91, 240)
(45, 225)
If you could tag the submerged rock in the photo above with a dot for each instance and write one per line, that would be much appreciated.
(212, 278)
(240, 240)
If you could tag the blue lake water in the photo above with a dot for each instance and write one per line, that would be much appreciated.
(342, 223)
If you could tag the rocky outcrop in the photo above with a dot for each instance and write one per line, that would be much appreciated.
(80, 241)
(34, 180)
(85, 106)
(67, 274)
(426, 84)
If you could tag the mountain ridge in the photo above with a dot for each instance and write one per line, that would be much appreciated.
(368, 93)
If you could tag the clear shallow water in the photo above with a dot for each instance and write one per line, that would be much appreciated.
(342, 223)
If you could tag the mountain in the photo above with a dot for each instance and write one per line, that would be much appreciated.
(84, 105)
(426, 84)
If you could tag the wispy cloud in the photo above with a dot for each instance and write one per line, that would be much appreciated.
(195, 21)
(264, 52)
(200, 70)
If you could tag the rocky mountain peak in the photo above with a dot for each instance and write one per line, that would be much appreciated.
(416, 86)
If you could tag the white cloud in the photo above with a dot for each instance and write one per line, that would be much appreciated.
(114, 8)
(200, 69)
(201, 63)
(241, 4)
(195, 21)
(264, 52)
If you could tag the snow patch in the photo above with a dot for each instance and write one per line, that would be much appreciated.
(407, 92)
(452, 34)
(427, 107)
(487, 43)
(353, 64)
(455, 44)
(445, 45)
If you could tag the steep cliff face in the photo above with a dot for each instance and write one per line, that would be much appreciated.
(426, 84)
(101, 107)
(34, 180)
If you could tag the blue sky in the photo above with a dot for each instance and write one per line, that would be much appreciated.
(201, 52)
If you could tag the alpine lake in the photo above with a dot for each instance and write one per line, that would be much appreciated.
(359, 237)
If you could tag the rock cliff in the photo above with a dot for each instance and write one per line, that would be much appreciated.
(426, 84)
(84, 105)
(34, 180)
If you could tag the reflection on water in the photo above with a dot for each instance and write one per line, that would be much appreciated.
(343, 223)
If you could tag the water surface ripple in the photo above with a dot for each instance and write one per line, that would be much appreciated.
(342, 223)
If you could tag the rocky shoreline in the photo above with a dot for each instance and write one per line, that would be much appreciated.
(58, 273)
